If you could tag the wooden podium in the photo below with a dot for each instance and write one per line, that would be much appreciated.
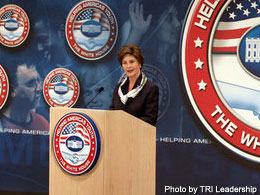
(127, 160)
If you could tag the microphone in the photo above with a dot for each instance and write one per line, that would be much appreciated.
(99, 91)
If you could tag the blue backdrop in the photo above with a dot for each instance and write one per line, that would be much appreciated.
(186, 154)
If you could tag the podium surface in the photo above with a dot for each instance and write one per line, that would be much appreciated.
(127, 160)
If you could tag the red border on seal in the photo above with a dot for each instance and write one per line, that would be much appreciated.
(5, 87)
(199, 85)
(85, 166)
(22, 13)
(46, 83)
(76, 10)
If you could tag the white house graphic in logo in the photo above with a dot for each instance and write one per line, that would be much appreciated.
(252, 49)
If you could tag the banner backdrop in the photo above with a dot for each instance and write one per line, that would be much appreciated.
(187, 155)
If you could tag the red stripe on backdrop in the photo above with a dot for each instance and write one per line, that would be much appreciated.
(224, 49)
(230, 34)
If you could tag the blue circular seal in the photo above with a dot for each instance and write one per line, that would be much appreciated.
(76, 143)
(61, 88)
(11, 25)
(91, 28)
(156, 76)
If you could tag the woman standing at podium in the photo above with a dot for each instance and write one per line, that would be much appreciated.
(135, 94)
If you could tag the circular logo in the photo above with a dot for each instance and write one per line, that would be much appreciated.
(91, 29)
(61, 88)
(76, 143)
(4, 87)
(14, 25)
(156, 76)
(222, 93)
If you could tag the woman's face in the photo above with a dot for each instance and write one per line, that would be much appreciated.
(131, 66)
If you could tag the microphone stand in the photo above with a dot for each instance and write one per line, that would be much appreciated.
(99, 91)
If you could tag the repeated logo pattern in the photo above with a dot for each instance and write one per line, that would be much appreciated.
(14, 25)
(208, 98)
(76, 143)
(91, 30)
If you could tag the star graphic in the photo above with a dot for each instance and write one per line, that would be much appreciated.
(198, 42)
(254, 5)
(258, 11)
(246, 12)
(232, 15)
(199, 64)
(240, 6)
(202, 85)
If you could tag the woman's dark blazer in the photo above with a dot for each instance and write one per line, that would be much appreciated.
(143, 106)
